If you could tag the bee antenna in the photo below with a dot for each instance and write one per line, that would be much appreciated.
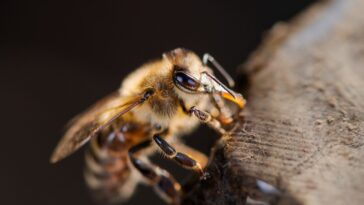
(208, 58)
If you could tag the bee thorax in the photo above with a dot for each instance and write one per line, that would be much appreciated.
(164, 107)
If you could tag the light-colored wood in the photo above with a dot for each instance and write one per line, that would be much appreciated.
(303, 129)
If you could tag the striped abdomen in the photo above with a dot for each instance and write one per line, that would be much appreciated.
(107, 172)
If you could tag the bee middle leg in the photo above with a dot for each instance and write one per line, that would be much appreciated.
(181, 158)
(195, 154)
(164, 183)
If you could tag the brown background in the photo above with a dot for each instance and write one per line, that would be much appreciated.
(56, 58)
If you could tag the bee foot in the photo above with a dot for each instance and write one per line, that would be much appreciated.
(205, 176)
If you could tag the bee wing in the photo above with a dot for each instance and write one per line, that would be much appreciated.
(91, 122)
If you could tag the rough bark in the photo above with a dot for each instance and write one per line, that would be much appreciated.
(303, 128)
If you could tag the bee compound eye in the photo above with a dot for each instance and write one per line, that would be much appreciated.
(185, 81)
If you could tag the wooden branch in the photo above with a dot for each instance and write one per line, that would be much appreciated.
(303, 129)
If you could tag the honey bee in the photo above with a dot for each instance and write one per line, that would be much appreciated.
(155, 105)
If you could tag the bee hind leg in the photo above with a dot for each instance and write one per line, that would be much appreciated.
(164, 183)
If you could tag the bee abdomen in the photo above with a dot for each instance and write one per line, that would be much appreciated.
(107, 172)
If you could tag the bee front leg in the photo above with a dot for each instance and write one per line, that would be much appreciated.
(207, 118)
(181, 158)
(164, 183)
(224, 112)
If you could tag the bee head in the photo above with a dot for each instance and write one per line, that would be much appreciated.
(192, 76)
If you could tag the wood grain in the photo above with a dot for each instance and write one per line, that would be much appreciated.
(303, 129)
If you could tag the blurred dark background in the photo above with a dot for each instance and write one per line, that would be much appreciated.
(58, 57)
